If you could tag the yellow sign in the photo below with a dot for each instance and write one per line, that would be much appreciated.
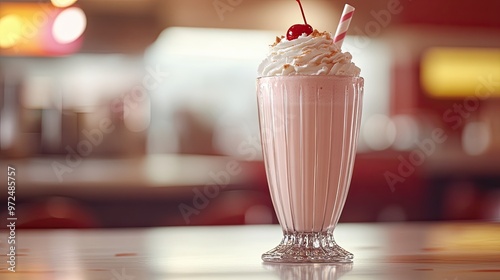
(460, 72)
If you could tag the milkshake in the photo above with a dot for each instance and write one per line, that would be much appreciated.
(309, 130)
(309, 97)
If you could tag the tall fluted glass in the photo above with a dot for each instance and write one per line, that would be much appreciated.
(309, 129)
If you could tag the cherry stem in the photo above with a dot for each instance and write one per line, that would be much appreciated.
(302, 10)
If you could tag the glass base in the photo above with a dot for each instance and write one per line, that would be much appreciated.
(308, 247)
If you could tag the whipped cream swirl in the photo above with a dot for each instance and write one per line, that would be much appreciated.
(313, 54)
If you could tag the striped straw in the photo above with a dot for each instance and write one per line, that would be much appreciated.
(343, 25)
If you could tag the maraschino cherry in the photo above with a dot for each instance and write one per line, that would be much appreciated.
(298, 29)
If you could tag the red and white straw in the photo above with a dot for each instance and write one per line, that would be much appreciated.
(345, 20)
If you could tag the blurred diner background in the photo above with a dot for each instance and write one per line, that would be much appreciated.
(141, 113)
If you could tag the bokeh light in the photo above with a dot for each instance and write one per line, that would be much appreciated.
(69, 25)
(476, 138)
(10, 30)
(379, 132)
(407, 131)
(63, 3)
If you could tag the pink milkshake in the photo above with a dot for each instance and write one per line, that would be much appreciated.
(309, 97)
(309, 130)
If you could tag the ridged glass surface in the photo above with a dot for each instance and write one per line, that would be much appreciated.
(310, 271)
(309, 129)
